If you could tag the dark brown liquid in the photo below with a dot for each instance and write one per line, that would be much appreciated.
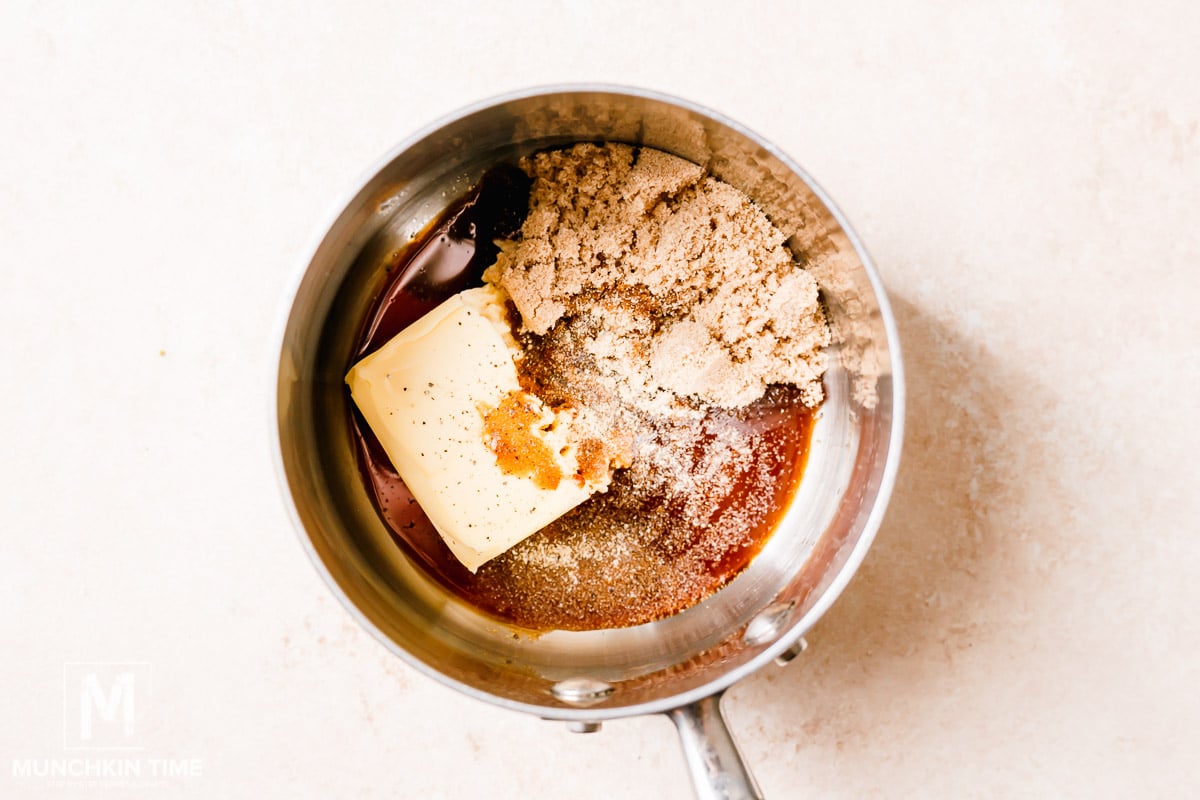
(447, 257)
(634, 553)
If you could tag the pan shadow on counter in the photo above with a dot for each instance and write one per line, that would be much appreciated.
(944, 574)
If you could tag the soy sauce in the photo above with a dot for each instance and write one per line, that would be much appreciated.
(448, 256)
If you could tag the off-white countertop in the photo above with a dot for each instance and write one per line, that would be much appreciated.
(1027, 176)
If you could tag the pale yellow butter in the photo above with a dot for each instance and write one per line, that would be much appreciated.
(421, 394)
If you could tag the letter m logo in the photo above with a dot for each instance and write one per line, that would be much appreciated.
(93, 699)
(103, 704)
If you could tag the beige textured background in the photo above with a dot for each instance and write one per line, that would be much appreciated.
(1027, 176)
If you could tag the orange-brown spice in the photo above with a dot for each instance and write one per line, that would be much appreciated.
(593, 460)
(509, 430)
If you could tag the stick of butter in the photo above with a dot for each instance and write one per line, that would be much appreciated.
(425, 393)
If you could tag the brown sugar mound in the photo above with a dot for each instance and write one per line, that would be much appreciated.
(693, 295)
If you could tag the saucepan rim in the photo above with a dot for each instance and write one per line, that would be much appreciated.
(797, 629)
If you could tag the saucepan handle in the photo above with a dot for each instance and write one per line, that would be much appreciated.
(718, 772)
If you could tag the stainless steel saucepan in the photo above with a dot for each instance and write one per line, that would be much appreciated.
(678, 666)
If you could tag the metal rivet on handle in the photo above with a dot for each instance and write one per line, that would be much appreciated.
(770, 622)
(581, 691)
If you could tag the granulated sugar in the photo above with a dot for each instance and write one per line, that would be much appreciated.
(695, 505)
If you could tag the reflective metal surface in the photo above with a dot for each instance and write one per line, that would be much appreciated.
(718, 771)
(672, 663)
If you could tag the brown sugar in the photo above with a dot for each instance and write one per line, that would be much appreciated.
(694, 293)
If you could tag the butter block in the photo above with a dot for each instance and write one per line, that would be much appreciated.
(424, 394)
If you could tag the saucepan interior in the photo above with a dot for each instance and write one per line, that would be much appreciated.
(597, 674)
